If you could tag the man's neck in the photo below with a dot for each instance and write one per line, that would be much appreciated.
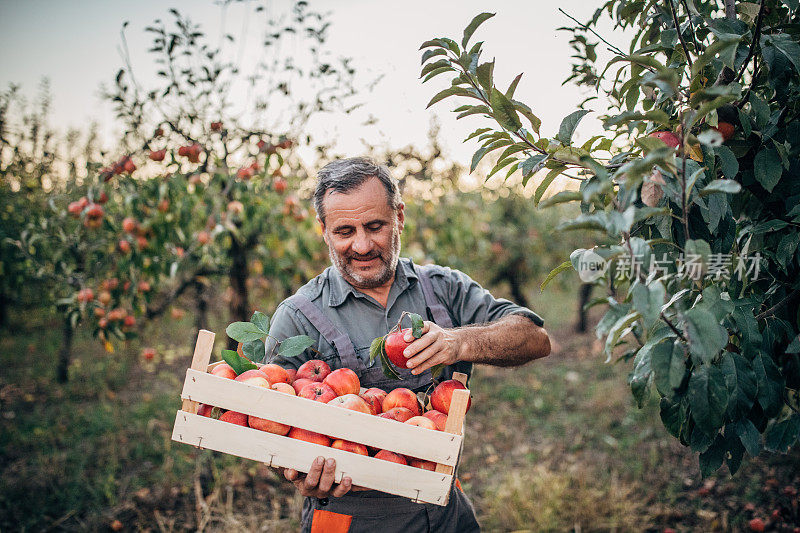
(381, 294)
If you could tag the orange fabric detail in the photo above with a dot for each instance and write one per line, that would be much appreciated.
(458, 485)
(328, 522)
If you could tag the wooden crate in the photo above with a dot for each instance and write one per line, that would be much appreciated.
(424, 486)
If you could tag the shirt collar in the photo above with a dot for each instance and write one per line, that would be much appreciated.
(340, 289)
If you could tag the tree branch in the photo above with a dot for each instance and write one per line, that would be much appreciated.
(680, 34)
(772, 310)
(756, 35)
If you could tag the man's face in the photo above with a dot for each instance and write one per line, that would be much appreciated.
(363, 234)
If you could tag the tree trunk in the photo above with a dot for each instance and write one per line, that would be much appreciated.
(240, 306)
(514, 282)
(201, 314)
(4, 301)
(65, 352)
(583, 298)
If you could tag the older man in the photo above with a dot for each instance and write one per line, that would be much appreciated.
(360, 297)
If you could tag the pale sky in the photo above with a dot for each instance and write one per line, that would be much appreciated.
(75, 44)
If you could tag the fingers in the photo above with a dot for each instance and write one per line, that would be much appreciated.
(312, 478)
(419, 344)
(426, 327)
(343, 487)
(326, 478)
(290, 474)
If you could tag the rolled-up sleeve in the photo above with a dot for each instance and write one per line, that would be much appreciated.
(472, 304)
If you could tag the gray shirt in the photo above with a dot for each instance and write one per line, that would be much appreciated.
(363, 318)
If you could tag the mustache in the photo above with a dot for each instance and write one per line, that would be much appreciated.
(364, 257)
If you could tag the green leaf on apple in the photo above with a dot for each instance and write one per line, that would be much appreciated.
(436, 371)
(376, 348)
(388, 371)
(238, 363)
(244, 332)
(261, 321)
(254, 350)
(416, 325)
(294, 346)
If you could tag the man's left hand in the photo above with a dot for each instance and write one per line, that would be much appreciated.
(435, 346)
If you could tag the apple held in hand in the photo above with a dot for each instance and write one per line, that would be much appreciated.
(443, 394)
(343, 381)
(315, 370)
(395, 344)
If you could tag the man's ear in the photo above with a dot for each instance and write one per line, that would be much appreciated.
(401, 216)
(322, 229)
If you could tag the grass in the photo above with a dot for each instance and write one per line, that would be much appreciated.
(556, 445)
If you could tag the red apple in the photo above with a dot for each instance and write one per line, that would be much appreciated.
(129, 225)
(395, 344)
(309, 436)
(319, 392)
(438, 418)
(667, 137)
(391, 456)
(315, 370)
(352, 402)
(298, 384)
(374, 403)
(422, 422)
(352, 447)
(343, 381)
(283, 387)
(204, 410)
(402, 397)
(224, 371)
(275, 374)
(423, 464)
(401, 414)
(443, 394)
(268, 425)
(292, 374)
(254, 377)
(233, 417)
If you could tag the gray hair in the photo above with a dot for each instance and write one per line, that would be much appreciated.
(344, 175)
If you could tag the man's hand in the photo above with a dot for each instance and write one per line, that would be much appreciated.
(318, 483)
(435, 346)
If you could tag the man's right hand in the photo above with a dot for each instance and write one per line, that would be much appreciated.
(318, 483)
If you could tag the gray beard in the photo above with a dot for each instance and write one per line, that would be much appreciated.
(357, 280)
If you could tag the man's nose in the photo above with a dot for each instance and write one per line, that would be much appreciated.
(361, 243)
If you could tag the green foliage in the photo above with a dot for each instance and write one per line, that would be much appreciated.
(706, 223)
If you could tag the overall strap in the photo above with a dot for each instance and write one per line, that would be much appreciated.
(339, 340)
(439, 313)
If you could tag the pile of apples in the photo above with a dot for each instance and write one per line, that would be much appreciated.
(315, 381)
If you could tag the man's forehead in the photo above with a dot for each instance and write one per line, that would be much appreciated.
(368, 196)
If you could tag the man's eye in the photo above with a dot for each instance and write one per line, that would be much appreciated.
(375, 227)
(344, 232)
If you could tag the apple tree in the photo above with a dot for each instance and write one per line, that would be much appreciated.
(695, 180)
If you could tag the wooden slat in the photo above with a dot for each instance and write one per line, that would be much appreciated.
(436, 446)
(200, 359)
(415, 483)
(460, 377)
(455, 421)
